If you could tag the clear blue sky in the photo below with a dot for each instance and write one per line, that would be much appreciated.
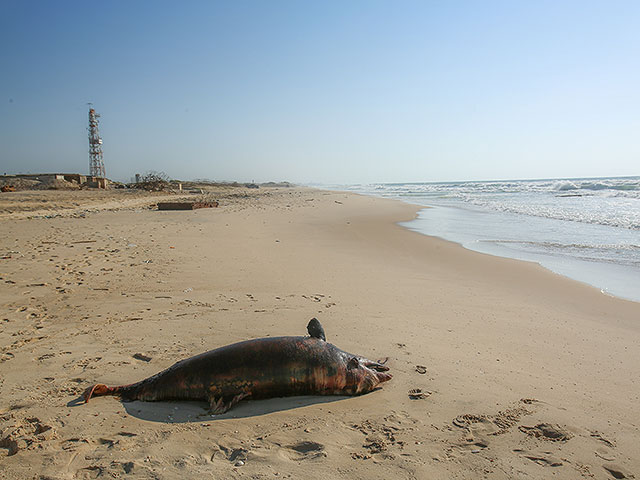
(344, 92)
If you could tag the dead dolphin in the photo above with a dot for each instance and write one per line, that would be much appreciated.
(260, 368)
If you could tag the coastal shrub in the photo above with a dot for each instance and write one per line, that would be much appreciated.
(154, 181)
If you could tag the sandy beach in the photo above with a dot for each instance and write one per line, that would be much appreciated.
(524, 373)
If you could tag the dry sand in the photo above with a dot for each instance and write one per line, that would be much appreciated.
(526, 374)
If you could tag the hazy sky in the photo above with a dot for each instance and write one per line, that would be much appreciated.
(339, 92)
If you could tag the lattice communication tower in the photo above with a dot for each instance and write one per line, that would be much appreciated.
(96, 165)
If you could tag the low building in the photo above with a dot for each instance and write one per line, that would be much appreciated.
(51, 178)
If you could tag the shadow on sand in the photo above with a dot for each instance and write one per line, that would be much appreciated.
(189, 412)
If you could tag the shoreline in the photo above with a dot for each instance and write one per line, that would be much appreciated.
(553, 265)
(505, 346)
(582, 271)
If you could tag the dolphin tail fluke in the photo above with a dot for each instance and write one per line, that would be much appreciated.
(99, 390)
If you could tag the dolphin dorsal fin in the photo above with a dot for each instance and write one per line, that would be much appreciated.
(315, 329)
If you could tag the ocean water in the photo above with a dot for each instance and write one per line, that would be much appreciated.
(586, 229)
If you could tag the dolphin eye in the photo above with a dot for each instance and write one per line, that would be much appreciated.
(353, 363)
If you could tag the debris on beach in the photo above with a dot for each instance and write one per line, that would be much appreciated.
(142, 357)
(186, 205)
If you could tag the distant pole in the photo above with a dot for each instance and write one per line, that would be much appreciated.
(96, 165)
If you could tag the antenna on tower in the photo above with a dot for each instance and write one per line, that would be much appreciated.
(96, 165)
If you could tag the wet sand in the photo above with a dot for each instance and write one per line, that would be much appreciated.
(524, 373)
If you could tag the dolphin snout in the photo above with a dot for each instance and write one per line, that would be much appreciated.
(383, 376)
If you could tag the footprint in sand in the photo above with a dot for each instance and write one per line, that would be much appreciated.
(418, 394)
(237, 456)
(314, 297)
(74, 443)
(616, 471)
(4, 356)
(605, 454)
(85, 363)
(541, 458)
(547, 431)
(477, 423)
(92, 471)
(27, 434)
(306, 450)
(46, 356)
(600, 437)
(479, 428)
(127, 467)
(381, 438)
